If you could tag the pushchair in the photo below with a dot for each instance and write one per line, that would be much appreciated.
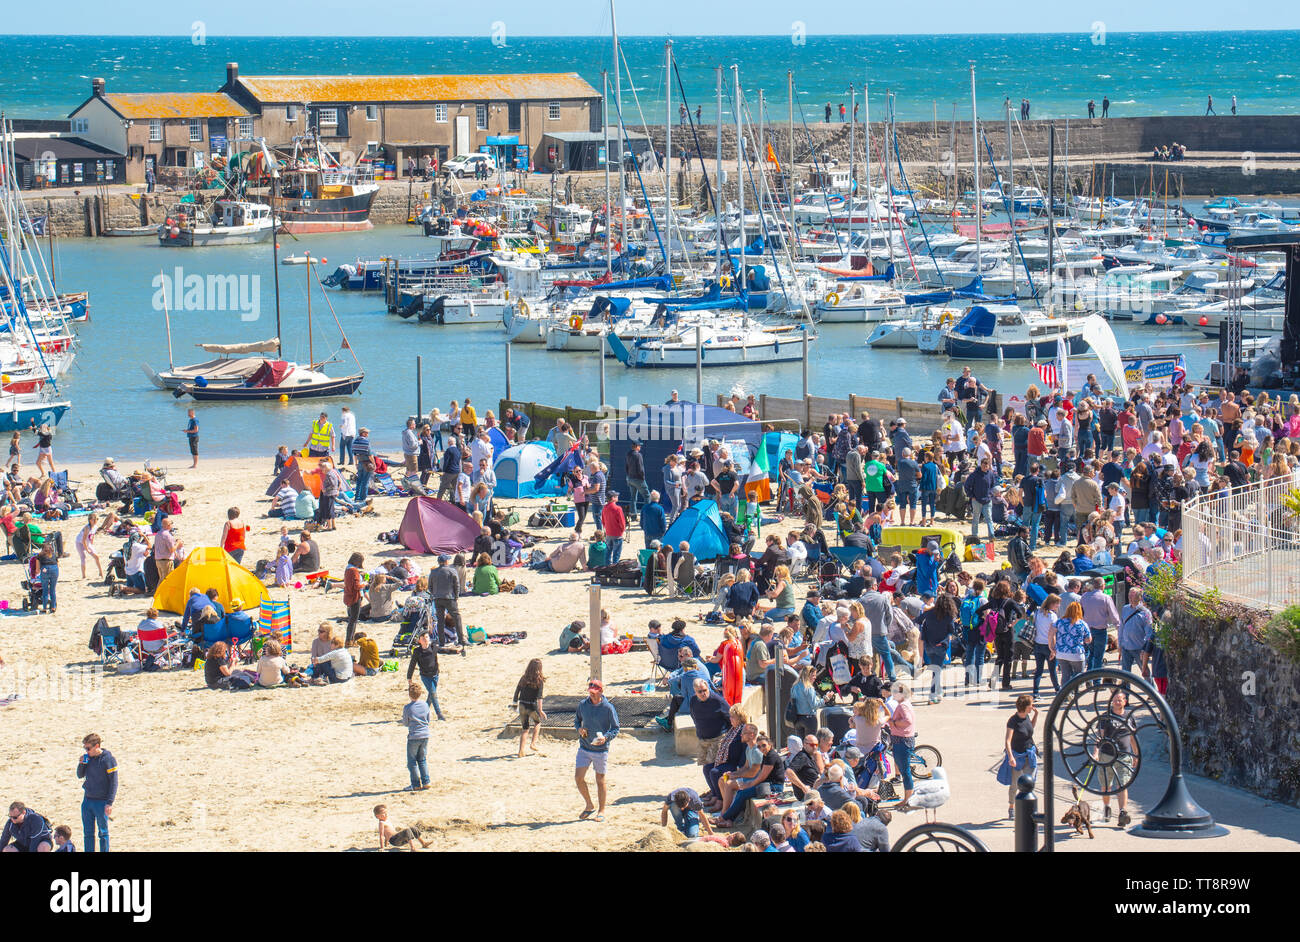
(32, 585)
(416, 618)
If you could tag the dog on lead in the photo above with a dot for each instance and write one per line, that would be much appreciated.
(1079, 815)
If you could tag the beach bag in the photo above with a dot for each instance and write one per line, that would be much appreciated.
(840, 672)
(791, 712)
(511, 518)
(476, 635)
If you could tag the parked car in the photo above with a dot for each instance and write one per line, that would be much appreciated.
(466, 165)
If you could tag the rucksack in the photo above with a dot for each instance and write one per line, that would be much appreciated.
(969, 606)
(1024, 632)
(989, 625)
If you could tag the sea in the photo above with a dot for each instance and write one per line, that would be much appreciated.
(1160, 73)
(117, 412)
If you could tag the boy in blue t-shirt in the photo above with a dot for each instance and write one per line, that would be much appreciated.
(929, 488)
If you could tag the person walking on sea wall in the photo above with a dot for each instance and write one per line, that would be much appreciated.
(1209, 105)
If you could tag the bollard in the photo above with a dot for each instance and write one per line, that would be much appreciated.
(1026, 813)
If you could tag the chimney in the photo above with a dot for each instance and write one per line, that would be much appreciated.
(97, 86)
(232, 74)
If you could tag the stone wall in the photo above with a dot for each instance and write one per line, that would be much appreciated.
(1236, 700)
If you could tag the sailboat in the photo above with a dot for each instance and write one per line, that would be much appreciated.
(280, 379)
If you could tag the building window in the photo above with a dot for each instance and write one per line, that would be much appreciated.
(553, 111)
(329, 117)
(246, 127)
(291, 112)
(196, 129)
(372, 112)
(440, 114)
(481, 115)
(80, 125)
(155, 129)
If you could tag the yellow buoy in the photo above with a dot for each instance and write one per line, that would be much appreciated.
(284, 397)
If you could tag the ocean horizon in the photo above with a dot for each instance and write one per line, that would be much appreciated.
(1149, 73)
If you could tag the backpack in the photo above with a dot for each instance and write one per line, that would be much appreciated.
(968, 607)
(988, 627)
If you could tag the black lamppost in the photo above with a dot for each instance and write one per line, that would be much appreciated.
(1100, 751)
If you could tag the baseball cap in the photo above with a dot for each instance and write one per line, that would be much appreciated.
(595, 685)
(853, 752)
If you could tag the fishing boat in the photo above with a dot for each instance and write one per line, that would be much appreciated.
(23, 412)
(231, 222)
(318, 194)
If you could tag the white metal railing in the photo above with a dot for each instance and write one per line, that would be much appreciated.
(1245, 543)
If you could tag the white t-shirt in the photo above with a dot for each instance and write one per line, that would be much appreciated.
(340, 659)
(348, 424)
(606, 634)
(135, 564)
(1116, 504)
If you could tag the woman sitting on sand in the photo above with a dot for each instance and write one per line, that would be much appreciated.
(218, 673)
(487, 580)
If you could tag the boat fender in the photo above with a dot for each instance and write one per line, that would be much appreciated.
(523, 308)
(575, 322)
(833, 299)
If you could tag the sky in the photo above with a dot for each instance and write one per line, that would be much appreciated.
(662, 17)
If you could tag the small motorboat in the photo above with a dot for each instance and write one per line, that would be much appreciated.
(274, 380)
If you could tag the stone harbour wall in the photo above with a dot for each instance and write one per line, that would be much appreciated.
(1236, 700)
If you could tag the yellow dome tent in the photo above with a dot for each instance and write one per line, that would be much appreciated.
(209, 567)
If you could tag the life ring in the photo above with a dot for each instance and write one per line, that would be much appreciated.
(575, 322)
(833, 299)
(945, 319)
(523, 308)
(725, 281)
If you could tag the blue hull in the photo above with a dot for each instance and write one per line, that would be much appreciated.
(24, 420)
(961, 348)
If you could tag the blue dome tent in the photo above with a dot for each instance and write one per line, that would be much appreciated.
(701, 527)
(517, 467)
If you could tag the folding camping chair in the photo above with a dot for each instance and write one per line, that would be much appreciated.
(110, 647)
(166, 648)
(241, 645)
(658, 673)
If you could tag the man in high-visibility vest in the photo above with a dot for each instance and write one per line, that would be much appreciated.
(321, 441)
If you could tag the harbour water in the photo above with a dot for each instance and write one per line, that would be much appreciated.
(1141, 73)
(117, 412)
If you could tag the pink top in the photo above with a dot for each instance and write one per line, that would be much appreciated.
(903, 722)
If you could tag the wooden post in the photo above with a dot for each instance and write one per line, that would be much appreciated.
(419, 387)
(762, 407)
(508, 372)
(898, 404)
(593, 629)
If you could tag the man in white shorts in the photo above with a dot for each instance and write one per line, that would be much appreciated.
(597, 725)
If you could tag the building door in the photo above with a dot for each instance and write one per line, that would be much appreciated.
(463, 145)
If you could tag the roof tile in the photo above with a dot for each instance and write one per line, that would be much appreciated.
(413, 88)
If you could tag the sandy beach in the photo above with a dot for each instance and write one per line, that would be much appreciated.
(300, 769)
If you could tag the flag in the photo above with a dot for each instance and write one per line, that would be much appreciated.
(1047, 373)
(759, 469)
(561, 466)
(36, 225)
(771, 157)
(1180, 373)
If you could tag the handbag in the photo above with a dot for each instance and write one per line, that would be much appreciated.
(1023, 631)
(840, 672)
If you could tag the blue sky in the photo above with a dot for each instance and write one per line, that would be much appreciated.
(662, 17)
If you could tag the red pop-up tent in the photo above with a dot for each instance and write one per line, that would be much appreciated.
(436, 526)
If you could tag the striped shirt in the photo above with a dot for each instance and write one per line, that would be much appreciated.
(361, 447)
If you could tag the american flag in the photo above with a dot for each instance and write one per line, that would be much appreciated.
(1048, 373)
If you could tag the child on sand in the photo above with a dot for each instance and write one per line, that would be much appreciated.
(528, 700)
(391, 837)
(63, 834)
(415, 717)
(284, 565)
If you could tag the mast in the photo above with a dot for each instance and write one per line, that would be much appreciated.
(275, 266)
(853, 180)
(866, 146)
(975, 164)
(717, 208)
(1011, 189)
(1051, 204)
(311, 350)
(740, 178)
(622, 142)
(609, 215)
(167, 319)
(668, 156)
(789, 170)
